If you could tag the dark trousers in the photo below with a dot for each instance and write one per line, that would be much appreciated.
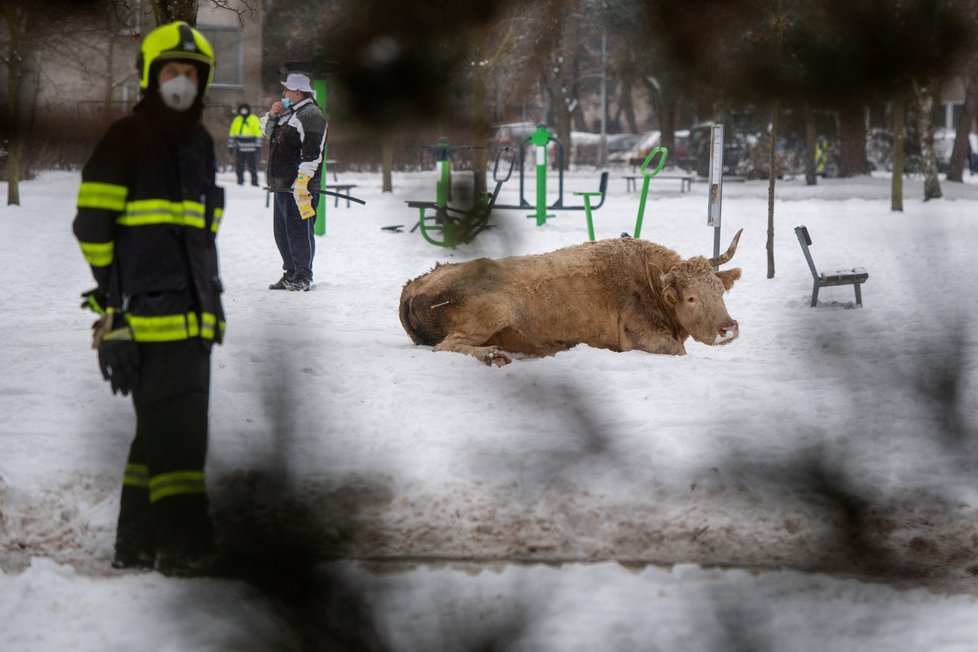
(294, 237)
(242, 159)
(164, 507)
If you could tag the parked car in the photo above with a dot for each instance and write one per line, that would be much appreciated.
(587, 145)
(620, 145)
(678, 155)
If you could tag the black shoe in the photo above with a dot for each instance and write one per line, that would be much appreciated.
(299, 285)
(283, 283)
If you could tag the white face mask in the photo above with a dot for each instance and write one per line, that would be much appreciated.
(178, 93)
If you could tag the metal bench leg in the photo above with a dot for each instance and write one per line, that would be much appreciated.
(815, 296)
(859, 294)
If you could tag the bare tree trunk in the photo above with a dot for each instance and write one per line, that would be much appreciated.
(387, 162)
(925, 129)
(811, 178)
(772, 180)
(15, 74)
(668, 117)
(562, 115)
(625, 102)
(167, 11)
(959, 155)
(852, 141)
(896, 189)
(107, 114)
(480, 125)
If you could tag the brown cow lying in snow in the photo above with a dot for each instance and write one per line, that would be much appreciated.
(619, 294)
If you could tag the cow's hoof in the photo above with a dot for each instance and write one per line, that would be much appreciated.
(494, 356)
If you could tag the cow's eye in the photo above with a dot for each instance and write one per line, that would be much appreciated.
(690, 299)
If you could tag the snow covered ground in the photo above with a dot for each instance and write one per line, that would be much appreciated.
(809, 487)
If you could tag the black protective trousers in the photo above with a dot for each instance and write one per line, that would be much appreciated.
(247, 160)
(164, 507)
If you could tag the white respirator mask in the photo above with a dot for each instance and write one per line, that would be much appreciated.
(178, 93)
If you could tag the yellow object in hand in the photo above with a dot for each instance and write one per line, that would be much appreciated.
(303, 199)
(304, 202)
(301, 185)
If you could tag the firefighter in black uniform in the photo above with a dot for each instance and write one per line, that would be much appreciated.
(148, 214)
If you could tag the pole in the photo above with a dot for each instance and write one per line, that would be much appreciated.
(444, 183)
(319, 228)
(540, 138)
(716, 185)
(603, 151)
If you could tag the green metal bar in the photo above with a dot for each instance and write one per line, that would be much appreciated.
(587, 211)
(444, 183)
(447, 231)
(319, 228)
(540, 138)
(645, 184)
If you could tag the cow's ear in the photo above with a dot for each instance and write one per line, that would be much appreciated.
(728, 276)
(668, 284)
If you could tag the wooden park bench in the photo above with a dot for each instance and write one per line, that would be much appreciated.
(854, 277)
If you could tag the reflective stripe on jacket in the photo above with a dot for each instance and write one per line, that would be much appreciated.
(246, 133)
(148, 215)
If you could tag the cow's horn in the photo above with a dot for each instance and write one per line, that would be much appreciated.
(726, 256)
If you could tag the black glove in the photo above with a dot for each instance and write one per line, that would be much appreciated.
(94, 300)
(118, 354)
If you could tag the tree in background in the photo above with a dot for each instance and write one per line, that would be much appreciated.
(167, 11)
(80, 35)
(838, 54)
(899, 108)
(925, 98)
(959, 155)
(28, 31)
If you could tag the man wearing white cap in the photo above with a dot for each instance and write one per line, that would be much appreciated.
(297, 141)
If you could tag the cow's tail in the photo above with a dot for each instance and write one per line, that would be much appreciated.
(416, 317)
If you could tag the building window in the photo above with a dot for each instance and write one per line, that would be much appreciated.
(229, 55)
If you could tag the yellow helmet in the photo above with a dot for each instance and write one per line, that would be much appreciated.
(176, 40)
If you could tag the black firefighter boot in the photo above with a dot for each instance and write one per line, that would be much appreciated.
(135, 539)
(185, 538)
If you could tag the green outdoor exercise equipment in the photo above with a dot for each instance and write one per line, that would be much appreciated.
(449, 226)
(645, 184)
(540, 139)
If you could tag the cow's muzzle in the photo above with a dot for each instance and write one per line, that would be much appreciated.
(727, 333)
